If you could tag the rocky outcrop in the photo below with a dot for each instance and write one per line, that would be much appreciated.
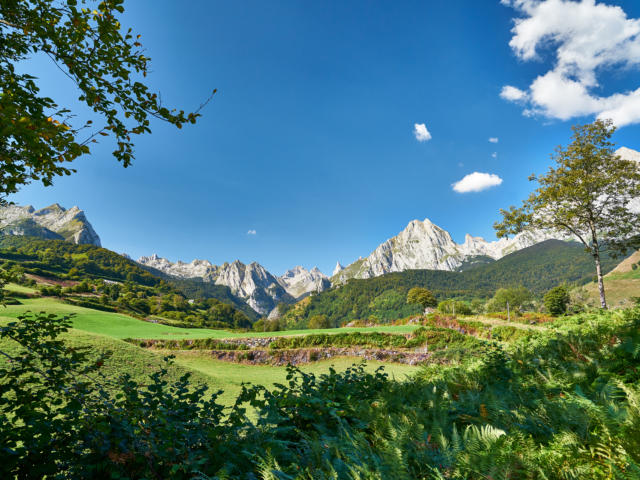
(628, 154)
(254, 284)
(53, 222)
(299, 281)
(195, 269)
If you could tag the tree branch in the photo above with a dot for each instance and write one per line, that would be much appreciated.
(8, 24)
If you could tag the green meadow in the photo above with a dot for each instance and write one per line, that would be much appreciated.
(123, 326)
(103, 332)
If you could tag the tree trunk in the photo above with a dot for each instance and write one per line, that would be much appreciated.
(603, 301)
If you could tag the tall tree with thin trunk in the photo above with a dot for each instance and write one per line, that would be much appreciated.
(586, 195)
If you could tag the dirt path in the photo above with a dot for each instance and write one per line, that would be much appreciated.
(496, 322)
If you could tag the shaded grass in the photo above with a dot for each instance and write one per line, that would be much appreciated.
(125, 358)
(230, 376)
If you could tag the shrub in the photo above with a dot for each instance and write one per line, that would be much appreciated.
(319, 321)
(556, 300)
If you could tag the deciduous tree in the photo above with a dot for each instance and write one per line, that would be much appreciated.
(556, 300)
(586, 195)
(422, 297)
(106, 64)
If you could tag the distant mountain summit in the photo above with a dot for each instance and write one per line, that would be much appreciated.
(253, 283)
(422, 245)
(53, 222)
(338, 269)
(299, 281)
(628, 154)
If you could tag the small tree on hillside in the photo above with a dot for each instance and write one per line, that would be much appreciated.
(586, 196)
(509, 298)
(421, 296)
(556, 300)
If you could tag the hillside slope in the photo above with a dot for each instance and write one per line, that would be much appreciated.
(622, 284)
(116, 281)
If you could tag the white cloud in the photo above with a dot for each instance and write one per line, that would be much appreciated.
(493, 139)
(421, 132)
(252, 232)
(585, 38)
(476, 182)
(513, 94)
(494, 155)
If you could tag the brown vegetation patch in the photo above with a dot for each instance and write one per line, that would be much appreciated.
(307, 355)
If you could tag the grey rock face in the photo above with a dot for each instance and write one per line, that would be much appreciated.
(53, 221)
(253, 283)
(633, 156)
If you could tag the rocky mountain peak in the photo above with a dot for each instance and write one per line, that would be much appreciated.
(424, 245)
(338, 269)
(299, 281)
(628, 154)
(253, 283)
(53, 221)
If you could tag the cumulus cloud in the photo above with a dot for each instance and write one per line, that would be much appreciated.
(513, 94)
(494, 155)
(421, 132)
(585, 38)
(476, 182)
(493, 140)
(252, 232)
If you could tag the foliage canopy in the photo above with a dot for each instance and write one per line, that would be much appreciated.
(107, 65)
(422, 297)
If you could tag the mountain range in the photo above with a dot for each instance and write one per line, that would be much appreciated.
(422, 245)
(253, 283)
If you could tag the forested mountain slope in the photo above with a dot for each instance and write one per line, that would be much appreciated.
(102, 279)
(538, 268)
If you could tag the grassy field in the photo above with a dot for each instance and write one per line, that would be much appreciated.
(13, 287)
(122, 326)
(621, 285)
(218, 375)
(104, 331)
(620, 289)
(230, 376)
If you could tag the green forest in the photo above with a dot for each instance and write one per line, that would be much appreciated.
(537, 268)
(97, 278)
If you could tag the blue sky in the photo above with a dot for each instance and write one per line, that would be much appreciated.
(310, 141)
